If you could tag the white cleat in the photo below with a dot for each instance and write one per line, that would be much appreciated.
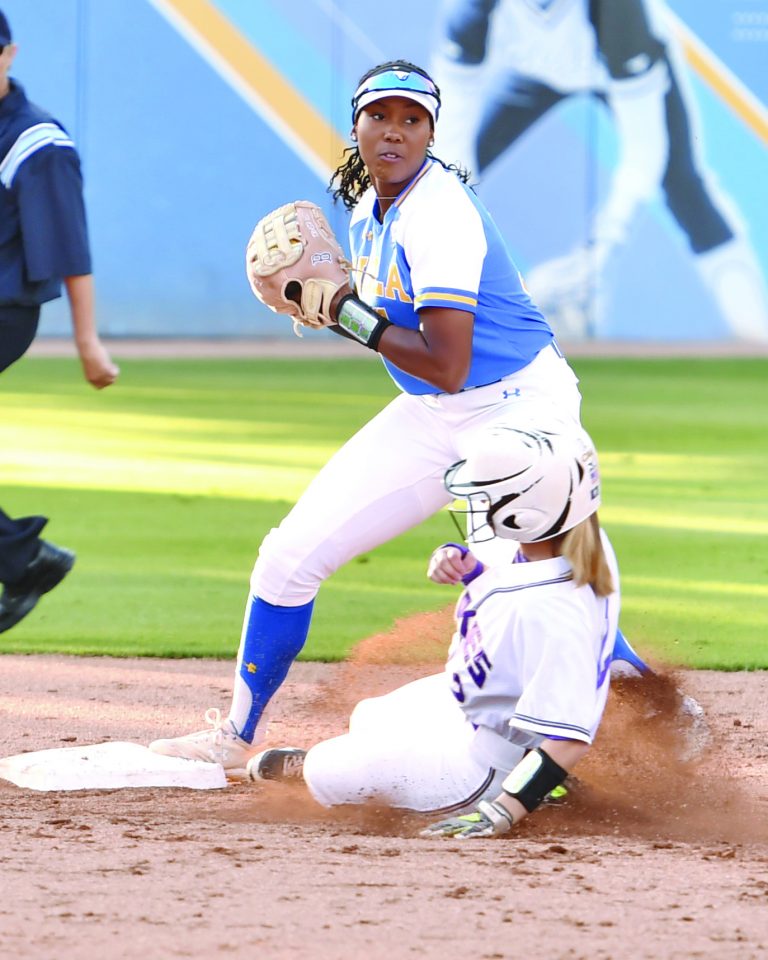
(218, 744)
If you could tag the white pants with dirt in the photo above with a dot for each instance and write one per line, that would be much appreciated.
(412, 749)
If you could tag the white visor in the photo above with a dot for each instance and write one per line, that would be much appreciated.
(425, 100)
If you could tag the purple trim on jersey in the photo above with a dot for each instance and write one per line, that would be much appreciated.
(543, 726)
(564, 578)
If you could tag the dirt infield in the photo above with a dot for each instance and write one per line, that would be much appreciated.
(650, 858)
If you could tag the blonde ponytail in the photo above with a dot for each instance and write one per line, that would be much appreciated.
(583, 549)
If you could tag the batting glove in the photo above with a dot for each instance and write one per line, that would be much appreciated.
(489, 820)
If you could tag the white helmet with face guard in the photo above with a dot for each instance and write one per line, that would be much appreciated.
(526, 485)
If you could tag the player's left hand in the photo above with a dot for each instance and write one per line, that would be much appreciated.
(451, 563)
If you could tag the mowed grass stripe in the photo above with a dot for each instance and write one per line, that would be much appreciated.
(166, 483)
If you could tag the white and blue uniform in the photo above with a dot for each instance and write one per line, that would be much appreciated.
(464, 266)
(436, 246)
(529, 661)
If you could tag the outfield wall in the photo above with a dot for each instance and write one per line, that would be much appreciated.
(195, 117)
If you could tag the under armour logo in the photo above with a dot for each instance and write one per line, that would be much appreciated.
(508, 394)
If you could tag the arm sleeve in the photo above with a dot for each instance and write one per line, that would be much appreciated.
(625, 40)
(558, 673)
(49, 192)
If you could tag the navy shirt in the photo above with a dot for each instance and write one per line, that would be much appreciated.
(43, 232)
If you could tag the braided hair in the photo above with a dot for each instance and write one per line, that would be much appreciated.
(352, 174)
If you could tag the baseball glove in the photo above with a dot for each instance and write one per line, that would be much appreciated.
(295, 264)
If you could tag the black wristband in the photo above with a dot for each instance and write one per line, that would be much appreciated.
(360, 321)
(533, 779)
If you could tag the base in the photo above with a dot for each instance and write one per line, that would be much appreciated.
(108, 766)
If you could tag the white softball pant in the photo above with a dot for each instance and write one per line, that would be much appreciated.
(389, 476)
(413, 749)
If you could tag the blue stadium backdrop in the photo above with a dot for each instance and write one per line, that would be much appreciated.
(195, 117)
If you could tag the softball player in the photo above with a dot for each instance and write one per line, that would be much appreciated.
(445, 307)
(504, 64)
(527, 675)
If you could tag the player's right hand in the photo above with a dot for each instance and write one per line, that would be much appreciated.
(450, 564)
(468, 826)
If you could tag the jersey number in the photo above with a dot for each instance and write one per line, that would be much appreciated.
(477, 671)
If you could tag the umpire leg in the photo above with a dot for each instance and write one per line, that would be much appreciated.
(19, 539)
(19, 544)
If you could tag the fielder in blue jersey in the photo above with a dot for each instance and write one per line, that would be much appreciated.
(43, 243)
(436, 293)
(437, 247)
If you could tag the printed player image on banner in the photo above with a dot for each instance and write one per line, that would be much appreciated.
(506, 65)
(621, 144)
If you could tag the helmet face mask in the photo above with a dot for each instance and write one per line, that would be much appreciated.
(526, 485)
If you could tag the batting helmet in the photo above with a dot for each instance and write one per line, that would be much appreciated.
(526, 485)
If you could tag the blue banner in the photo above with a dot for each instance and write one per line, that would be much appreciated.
(620, 145)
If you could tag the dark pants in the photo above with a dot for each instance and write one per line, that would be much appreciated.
(19, 539)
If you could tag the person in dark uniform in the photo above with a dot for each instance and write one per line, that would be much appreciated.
(43, 243)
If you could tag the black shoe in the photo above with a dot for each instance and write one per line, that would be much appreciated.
(49, 567)
(278, 763)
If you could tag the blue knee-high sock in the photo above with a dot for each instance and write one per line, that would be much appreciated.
(272, 639)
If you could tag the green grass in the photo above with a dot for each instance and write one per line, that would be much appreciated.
(166, 484)
(684, 453)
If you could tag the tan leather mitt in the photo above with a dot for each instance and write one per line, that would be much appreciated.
(295, 264)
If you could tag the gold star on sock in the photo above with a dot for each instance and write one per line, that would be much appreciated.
(251, 667)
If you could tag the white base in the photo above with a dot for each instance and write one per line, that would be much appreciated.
(108, 766)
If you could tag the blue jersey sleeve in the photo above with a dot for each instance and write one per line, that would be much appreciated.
(49, 194)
